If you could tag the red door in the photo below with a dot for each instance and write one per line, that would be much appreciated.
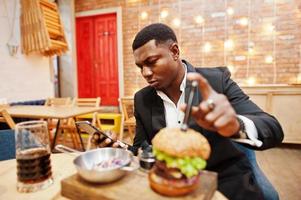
(96, 38)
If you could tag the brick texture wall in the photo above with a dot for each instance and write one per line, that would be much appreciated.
(273, 29)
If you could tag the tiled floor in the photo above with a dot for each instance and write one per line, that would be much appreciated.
(282, 167)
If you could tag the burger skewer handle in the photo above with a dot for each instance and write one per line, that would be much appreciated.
(184, 125)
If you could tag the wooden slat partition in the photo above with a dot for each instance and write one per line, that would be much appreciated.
(41, 28)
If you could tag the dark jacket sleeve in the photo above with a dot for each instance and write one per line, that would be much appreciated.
(269, 129)
(140, 136)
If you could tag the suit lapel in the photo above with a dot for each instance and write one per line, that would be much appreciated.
(158, 114)
(197, 96)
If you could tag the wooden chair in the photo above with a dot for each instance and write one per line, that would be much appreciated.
(6, 118)
(71, 127)
(52, 123)
(58, 101)
(65, 101)
(53, 101)
(128, 119)
(88, 102)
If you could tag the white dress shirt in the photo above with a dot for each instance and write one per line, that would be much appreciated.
(174, 116)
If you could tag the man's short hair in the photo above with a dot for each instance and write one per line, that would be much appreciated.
(159, 32)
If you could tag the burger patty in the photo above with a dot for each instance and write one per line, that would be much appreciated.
(162, 178)
(162, 170)
(169, 173)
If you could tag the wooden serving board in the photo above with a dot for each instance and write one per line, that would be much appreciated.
(133, 186)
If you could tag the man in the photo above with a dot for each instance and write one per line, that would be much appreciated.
(222, 112)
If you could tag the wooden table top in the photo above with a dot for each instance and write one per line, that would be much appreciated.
(58, 112)
(62, 167)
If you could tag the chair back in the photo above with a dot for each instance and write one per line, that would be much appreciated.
(58, 101)
(127, 107)
(53, 101)
(6, 118)
(128, 118)
(86, 102)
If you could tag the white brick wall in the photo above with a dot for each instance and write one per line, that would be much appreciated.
(21, 77)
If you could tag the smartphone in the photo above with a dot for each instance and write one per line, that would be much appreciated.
(86, 126)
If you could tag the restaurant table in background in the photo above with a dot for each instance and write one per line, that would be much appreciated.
(50, 112)
(62, 167)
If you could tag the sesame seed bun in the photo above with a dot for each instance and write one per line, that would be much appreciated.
(175, 142)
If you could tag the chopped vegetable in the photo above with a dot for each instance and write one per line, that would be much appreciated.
(189, 166)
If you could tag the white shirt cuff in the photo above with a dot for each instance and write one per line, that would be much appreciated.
(251, 133)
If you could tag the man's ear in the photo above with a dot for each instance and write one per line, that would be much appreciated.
(174, 48)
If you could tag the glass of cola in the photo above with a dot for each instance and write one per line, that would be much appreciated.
(33, 156)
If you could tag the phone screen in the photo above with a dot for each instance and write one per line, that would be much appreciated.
(87, 127)
(90, 129)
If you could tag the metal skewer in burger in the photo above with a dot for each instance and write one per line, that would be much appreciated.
(181, 154)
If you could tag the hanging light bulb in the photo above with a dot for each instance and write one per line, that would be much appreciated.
(207, 47)
(299, 78)
(229, 44)
(230, 11)
(269, 59)
(251, 81)
(250, 51)
(269, 28)
(163, 14)
(231, 69)
(199, 19)
(244, 21)
(176, 22)
(144, 15)
(251, 47)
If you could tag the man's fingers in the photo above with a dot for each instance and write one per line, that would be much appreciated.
(197, 113)
(111, 135)
(204, 107)
(108, 141)
(204, 86)
(214, 114)
(115, 144)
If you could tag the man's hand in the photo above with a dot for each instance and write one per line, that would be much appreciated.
(215, 112)
(107, 142)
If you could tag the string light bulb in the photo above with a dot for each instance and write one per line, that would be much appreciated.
(144, 15)
(269, 59)
(230, 11)
(231, 68)
(207, 47)
(251, 48)
(199, 19)
(269, 28)
(250, 51)
(164, 14)
(176, 22)
(251, 81)
(244, 21)
(229, 44)
(299, 78)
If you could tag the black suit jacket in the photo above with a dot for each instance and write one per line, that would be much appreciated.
(234, 172)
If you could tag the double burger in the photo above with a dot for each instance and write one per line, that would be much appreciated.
(180, 156)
